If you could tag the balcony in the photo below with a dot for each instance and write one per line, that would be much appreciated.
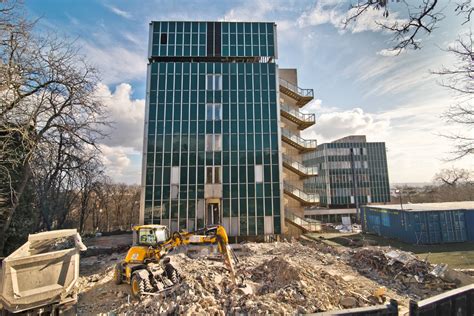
(298, 168)
(304, 198)
(302, 96)
(302, 120)
(303, 145)
(306, 225)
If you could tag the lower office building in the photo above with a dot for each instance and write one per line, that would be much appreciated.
(352, 172)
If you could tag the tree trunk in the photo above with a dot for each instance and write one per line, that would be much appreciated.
(9, 206)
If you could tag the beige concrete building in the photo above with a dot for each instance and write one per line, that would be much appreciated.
(292, 98)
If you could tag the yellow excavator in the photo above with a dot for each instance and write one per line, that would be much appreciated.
(146, 267)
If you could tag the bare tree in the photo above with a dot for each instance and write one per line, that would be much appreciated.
(89, 180)
(460, 80)
(422, 18)
(453, 176)
(46, 93)
(134, 205)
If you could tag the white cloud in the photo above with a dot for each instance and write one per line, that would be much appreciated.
(117, 63)
(121, 150)
(332, 125)
(254, 11)
(335, 13)
(118, 11)
(390, 52)
(122, 164)
(323, 12)
(403, 76)
(127, 115)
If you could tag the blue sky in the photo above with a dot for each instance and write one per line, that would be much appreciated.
(359, 86)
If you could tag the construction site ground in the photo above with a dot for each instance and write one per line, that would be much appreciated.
(456, 255)
(290, 277)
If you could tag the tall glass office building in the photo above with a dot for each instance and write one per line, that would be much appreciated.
(212, 137)
(352, 172)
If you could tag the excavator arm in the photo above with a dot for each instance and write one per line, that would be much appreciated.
(209, 235)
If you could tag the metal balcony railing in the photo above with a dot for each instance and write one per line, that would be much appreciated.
(303, 197)
(309, 226)
(303, 120)
(298, 142)
(302, 92)
(302, 96)
(298, 167)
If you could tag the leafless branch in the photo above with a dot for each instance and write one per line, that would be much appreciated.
(406, 31)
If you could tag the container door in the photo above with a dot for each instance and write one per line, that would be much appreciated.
(447, 230)
(459, 226)
(434, 228)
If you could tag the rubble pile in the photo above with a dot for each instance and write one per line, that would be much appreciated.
(400, 270)
(276, 278)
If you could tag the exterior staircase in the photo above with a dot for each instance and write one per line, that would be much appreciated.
(302, 96)
(306, 199)
(303, 145)
(301, 120)
(306, 225)
(298, 168)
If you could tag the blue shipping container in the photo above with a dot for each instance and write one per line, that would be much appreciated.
(419, 226)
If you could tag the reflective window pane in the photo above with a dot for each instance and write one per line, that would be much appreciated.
(217, 174)
(217, 112)
(259, 173)
(208, 175)
(209, 142)
(209, 110)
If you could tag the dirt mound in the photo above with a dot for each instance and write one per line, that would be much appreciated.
(274, 274)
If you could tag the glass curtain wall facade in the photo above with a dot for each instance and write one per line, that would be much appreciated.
(211, 148)
(349, 172)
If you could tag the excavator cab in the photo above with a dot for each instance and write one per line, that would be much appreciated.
(150, 235)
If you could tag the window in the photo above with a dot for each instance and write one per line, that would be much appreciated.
(213, 142)
(209, 112)
(163, 38)
(209, 142)
(217, 142)
(259, 173)
(217, 112)
(209, 175)
(174, 175)
(213, 174)
(174, 191)
(214, 82)
(213, 112)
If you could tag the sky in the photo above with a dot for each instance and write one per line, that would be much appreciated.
(360, 86)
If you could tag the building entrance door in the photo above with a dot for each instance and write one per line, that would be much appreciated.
(213, 212)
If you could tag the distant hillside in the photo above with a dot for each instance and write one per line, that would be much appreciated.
(410, 184)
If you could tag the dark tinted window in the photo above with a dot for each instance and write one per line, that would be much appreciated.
(163, 38)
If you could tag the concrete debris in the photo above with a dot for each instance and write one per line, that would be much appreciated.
(399, 270)
(352, 228)
(275, 278)
(348, 302)
(439, 270)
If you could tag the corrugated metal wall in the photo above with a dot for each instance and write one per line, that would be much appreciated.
(427, 227)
